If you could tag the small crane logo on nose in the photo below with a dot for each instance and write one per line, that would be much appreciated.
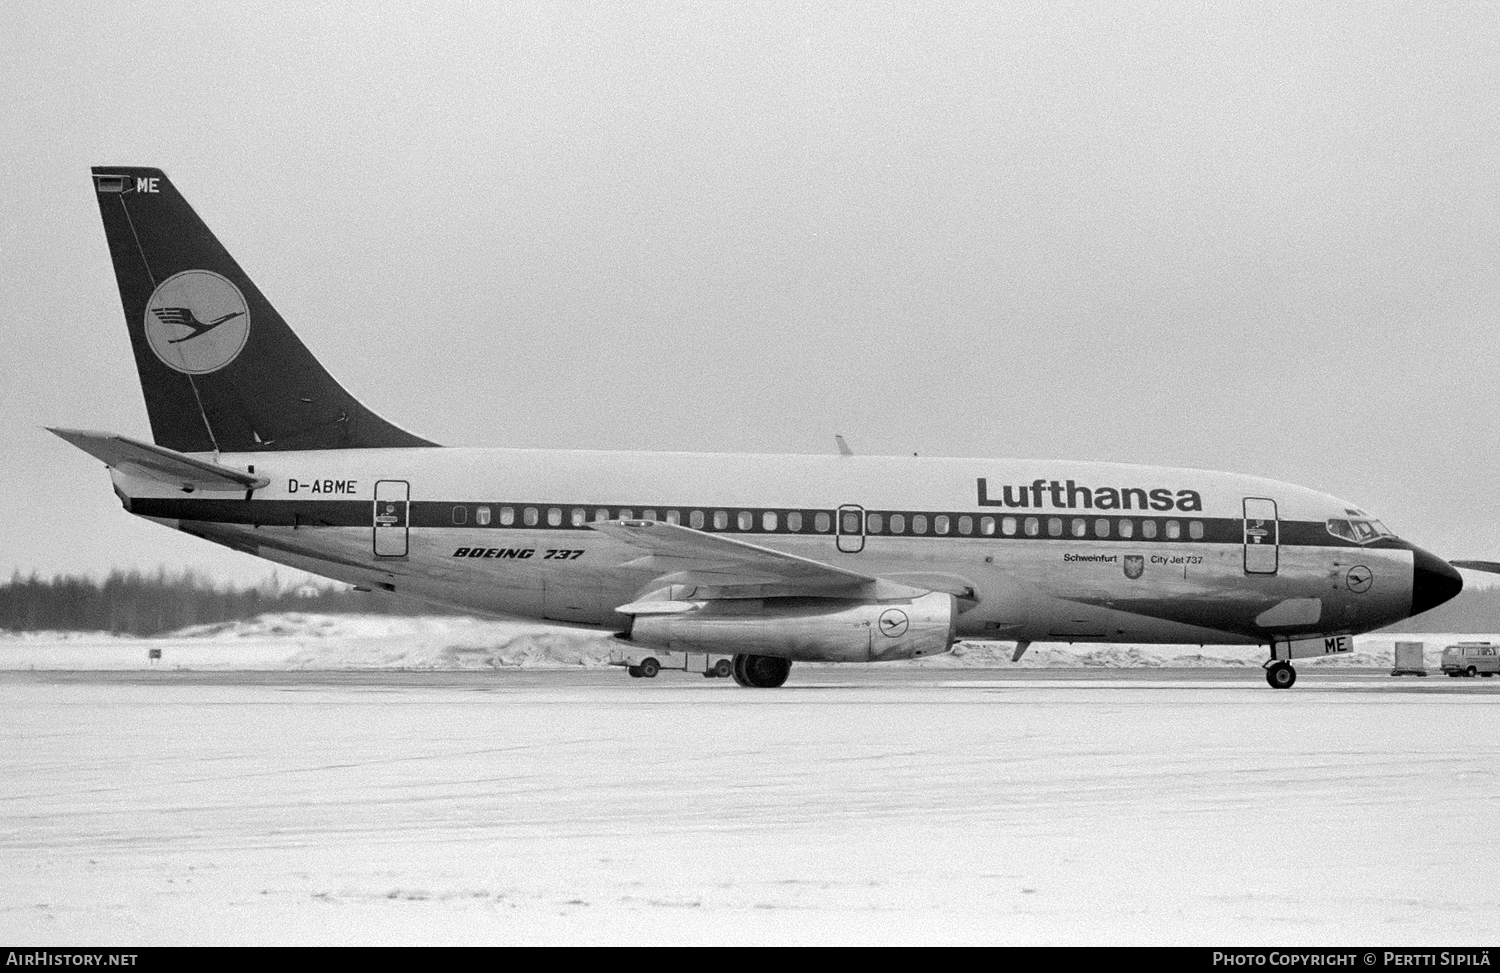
(1359, 579)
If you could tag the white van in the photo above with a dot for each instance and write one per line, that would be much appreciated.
(1471, 658)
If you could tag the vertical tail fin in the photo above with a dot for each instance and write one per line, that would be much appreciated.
(219, 367)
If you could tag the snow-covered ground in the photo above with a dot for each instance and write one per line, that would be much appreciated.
(307, 641)
(530, 798)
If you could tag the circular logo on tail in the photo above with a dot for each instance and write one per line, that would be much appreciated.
(197, 322)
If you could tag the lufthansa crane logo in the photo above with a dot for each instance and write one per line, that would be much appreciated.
(893, 623)
(197, 322)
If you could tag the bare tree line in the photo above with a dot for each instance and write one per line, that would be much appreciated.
(139, 603)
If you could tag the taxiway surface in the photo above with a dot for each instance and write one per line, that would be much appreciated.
(852, 806)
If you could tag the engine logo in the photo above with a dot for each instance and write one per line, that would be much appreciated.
(893, 623)
(197, 322)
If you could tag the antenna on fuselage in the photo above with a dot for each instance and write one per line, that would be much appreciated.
(844, 449)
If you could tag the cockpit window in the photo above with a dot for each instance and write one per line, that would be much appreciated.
(1359, 531)
(1341, 528)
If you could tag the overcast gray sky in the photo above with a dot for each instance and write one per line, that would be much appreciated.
(1259, 237)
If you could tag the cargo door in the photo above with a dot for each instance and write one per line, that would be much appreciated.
(392, 507)
(1262, 536)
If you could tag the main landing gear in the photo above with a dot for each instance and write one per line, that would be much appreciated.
(1281, 675)
(761, 671)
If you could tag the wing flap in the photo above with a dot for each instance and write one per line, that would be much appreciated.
(159, 463)
(715, 559)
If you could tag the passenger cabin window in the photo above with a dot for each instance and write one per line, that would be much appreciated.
(721, 519)
(794, 521)
(1148, 529)
(578, 517)
(745, 521)
(940, 524)
(554, 516)
(529, 515)
(1008, 526)
(674, 516)
(822, 521)
(482, 516)
(601, 514)
(648, 514)
(1195, 530)
(851, 522)
(507, 516)
(460, 515)
(1127, 528)
(695, 520)
(1174, 530)
(898, 523)
(1054, 526)
(1101, 527)
(919, 523)
(626, 514)
(966, 525)
(874, 523)
(1080, 527)
(768, 520)
(987, 526)
(1033, 526)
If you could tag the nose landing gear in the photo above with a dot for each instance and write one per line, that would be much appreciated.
(1281, 675)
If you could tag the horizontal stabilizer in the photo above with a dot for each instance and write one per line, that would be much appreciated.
(159, 463)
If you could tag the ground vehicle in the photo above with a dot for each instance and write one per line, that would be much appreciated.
(1409, 660)
(1471, 659)
(647, 663)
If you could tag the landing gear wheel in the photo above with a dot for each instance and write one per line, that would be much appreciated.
(722, 669)
(649, 668)
(761, 671)
(737, 670)
(635, 672)
(1281, 675)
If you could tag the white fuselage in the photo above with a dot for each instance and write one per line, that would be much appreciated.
(1035, 549)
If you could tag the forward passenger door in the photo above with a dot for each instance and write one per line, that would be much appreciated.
(1262, 536)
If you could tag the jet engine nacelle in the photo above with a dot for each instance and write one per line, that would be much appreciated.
(800, 629)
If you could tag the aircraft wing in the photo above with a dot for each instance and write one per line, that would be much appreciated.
(159, 463)
(714, 559)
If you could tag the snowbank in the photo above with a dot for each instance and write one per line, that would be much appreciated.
(307, 641)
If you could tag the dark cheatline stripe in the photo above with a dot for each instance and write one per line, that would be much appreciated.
(432, 513)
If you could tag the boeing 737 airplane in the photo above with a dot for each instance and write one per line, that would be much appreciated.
(771, 559)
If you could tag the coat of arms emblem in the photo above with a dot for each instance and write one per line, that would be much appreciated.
(1135, 564)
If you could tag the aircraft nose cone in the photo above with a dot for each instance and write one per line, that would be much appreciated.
(1433, 581)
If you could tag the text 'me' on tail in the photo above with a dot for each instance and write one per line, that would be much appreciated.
(220, 369)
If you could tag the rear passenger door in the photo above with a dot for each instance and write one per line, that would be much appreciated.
(392, 500)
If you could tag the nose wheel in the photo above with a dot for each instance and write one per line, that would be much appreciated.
(1281, 675)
